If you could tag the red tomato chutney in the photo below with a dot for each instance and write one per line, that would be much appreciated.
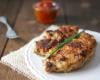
(45, 12)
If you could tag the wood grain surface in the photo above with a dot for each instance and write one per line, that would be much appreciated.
(3, 6)
(11, 10)
(20, 16)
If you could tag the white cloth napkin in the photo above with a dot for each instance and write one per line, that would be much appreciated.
(16, 61)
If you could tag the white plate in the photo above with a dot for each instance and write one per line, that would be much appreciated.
(90, 71)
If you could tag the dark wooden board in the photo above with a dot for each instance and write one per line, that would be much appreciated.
(9, 8)
(11, 11)
(7, 73)
(83, 12)
(3, 6)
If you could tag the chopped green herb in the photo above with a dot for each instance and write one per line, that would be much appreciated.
(53, 51)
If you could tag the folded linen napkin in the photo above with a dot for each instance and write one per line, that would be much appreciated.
(16, 61)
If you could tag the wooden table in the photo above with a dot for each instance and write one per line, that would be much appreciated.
(20, 16)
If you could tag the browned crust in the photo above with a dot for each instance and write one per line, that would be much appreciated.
(53, 38)
(70, 58)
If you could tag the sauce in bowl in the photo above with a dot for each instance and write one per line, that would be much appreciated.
(45, 11)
